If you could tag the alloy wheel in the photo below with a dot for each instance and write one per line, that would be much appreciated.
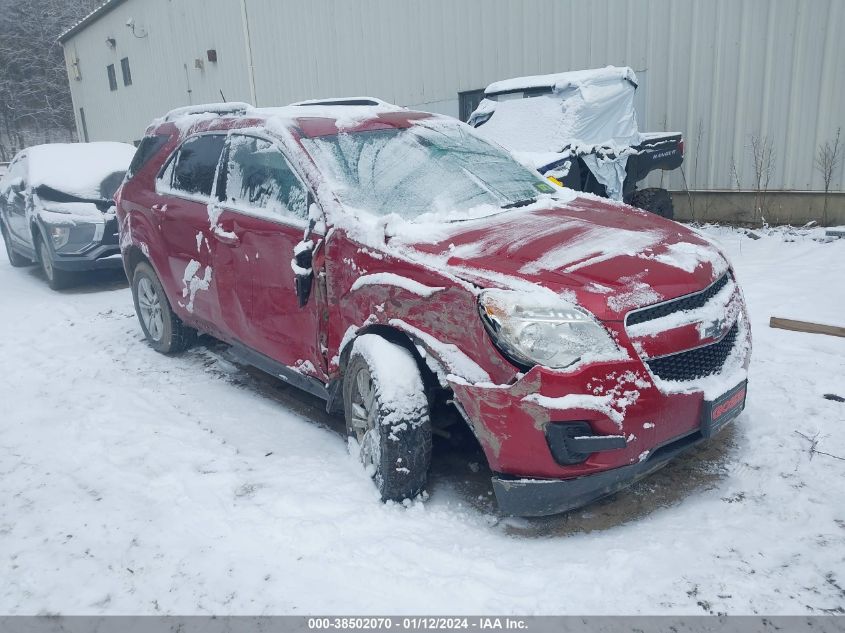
(46, 262)
(364, 417)
(149, 304)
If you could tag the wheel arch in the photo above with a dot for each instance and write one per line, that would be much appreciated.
(132, 256)
(398, 337)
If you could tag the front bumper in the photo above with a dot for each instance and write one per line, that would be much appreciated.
(103, 254)
(102, 257)
(543, 497)
(625, 423)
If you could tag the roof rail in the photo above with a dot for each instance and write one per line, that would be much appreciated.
(347, 101)
(231, 107)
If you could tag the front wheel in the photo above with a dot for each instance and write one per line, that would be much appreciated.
(56, 277)
(387, 416)
(163, 329)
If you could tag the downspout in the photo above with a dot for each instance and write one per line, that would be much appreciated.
(250, 64)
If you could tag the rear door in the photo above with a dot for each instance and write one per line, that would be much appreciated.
(186, 189)
(262, 218)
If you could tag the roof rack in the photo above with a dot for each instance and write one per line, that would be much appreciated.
(232, 107)
(346, 101)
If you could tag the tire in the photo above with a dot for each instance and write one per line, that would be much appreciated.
(164, 331)
(392, 433)
(656, 201)
(15, 259)
(56, 278)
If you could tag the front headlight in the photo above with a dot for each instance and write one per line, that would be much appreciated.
(60, 236)
(543, 329)
(73, 238)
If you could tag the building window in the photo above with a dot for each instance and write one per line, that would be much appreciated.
(468, 101)
(127, 74)
(112, 77)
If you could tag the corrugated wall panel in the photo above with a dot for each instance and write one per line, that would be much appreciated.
(731, 68)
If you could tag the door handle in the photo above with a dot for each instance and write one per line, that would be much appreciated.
(225, 237)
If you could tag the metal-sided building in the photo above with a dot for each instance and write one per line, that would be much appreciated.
(721, 71)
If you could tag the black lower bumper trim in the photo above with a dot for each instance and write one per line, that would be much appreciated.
(543, 497)
(102, 257)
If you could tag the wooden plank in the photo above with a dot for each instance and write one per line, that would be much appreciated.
(806, 326)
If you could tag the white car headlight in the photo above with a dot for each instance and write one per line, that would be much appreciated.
(60, 235)
(542, 329)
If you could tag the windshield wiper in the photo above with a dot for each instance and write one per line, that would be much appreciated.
(519, 203)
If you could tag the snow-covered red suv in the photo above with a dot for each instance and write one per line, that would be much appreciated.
(389, 260)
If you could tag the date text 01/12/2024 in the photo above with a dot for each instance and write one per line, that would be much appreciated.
(417, 623)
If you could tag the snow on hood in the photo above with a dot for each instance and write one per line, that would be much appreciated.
(609, 258)
(77, 168)
(587, 107)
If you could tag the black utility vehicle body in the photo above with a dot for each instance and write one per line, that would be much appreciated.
(580, 128)
(56, 208)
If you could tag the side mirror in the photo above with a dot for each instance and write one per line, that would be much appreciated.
(303, 271)
(16, 185)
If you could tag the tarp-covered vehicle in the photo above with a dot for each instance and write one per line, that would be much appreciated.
(581, 128)
(56, 207)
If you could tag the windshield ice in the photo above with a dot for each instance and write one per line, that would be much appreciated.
(423, 169)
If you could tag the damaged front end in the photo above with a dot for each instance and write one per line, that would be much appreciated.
(559, 438)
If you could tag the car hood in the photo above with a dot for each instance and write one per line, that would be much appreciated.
(609, 258)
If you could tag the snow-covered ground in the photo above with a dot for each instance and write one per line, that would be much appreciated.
(135, 483)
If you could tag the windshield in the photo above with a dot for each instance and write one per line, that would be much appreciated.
(424, 169)
(107, 189)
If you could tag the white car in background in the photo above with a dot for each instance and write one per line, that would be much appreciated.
(56, 208)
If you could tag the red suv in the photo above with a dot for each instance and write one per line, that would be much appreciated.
(389, 261)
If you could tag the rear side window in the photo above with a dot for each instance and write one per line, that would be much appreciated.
(259, 177)
(147, 148)
(196, 164)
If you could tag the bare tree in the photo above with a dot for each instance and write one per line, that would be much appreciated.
(763, 159)
(827, 160)
(735, 174)
(35, 103)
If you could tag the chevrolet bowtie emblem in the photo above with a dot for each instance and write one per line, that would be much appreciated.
(714, 329)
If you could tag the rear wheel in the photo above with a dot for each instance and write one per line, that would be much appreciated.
(15, 259)
(164, 330)
(56, 277)
(657, 201)
(387, 416)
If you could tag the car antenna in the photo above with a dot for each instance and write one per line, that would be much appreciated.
(220, 90)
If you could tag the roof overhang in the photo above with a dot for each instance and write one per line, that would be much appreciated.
(92, 17)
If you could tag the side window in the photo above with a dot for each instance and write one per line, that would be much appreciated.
(147, 149)
(258, 176)
(17, 169)
(196, 164)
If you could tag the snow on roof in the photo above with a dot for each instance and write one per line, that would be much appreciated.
(229, 107)
(95, 15)
(77, 168)
(345, 111)
(560, 81)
